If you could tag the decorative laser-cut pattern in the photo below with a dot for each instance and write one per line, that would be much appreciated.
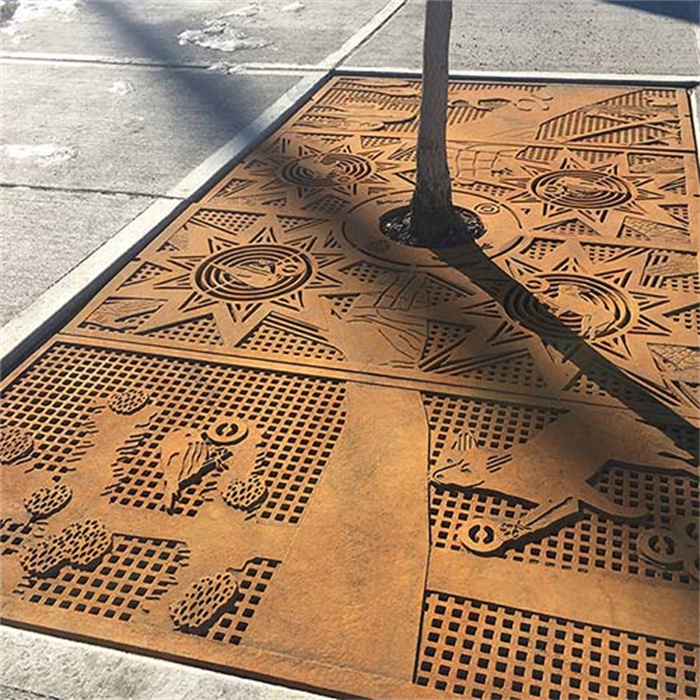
(268, 337)
(571, 227)
(519, 370)
(58, 444)
(689, 318)
(202, 330)
(48, 500)
(642, 117)
(253, 582)
(228, 221)
(13, 534)
(182, 427)
(204, 601)
(297, 452)
(494, 425)
(145, 272)
(476, 649)
(594, 543)
(136, 571)
(367, 272)
(651, 163)
(676, 271)
(598, 381)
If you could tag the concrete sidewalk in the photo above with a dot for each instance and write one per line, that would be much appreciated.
(108, 106)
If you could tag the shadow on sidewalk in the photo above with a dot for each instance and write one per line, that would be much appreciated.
(684, 10)
(227, 107)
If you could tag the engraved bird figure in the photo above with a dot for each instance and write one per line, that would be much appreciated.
(184, 457)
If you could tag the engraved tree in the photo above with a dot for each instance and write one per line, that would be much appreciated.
(434, 221)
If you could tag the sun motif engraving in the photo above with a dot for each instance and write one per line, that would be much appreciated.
(241, 279)
(582, 189)
(253, 272)
(301, 170)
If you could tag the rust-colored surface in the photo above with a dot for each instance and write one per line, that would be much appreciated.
(280, 444)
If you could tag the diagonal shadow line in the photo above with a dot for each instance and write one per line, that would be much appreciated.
(226, 107)
(683, 10)
(482, 272)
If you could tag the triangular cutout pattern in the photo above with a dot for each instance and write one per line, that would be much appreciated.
(202, 330)
(268, 338)
(442, 336)
(147, 271)
(570, 227)
(229, 221)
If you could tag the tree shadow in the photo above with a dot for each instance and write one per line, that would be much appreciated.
(226, 108)
(481, 271)
(684, 10)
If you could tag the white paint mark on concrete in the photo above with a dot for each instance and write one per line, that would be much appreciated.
(122, 87)
(43, 154)
(220, 35)
(294, 7)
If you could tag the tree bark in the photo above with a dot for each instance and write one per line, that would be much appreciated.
(432, 213)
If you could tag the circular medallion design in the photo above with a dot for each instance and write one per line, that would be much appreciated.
(582, 189)
(555, 302)
(253, 273)
(328, 170)
(362, 230)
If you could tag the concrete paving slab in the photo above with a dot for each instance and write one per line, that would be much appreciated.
(135, 130)
(290, 31)
(39, 667)
(44, 234)
(587, 36)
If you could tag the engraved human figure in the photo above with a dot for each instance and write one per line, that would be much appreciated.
(552, 471)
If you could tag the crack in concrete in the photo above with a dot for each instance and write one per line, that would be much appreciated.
(85, 190)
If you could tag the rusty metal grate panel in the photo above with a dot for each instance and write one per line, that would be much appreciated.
(479, 650)
(277, 442)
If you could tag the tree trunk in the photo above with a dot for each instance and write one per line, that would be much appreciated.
(432, 213)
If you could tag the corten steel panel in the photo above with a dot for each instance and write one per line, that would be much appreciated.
(278, 443)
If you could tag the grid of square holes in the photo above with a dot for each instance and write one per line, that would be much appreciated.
(135, 570)
(518, 370)
(147, 271)
(592, 544)
(598, 381)
(12, 534)
(202, 330)
(493, 425)
(300, 418)
(481, 650)
(266, 338)
(368, 273)
(228, 221)
(252, 584)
